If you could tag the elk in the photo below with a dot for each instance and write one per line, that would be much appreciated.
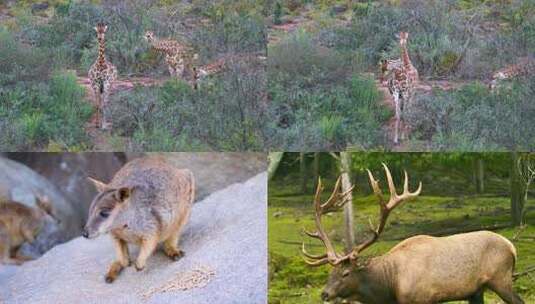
(419, 270)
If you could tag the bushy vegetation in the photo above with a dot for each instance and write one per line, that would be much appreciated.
(449, 204)
(317, 103)
(456, 41)
(225, 114)
(44, 116)
(473, 118)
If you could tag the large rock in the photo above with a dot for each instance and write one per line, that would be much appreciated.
(20, 183)
(226, 258)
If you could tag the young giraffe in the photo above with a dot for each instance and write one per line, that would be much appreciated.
(102, 74)
(176, 54)
(401, 83)
(524, 67)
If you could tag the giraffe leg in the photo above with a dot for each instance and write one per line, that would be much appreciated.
(398, 117)
(106, 124)
(98, 114)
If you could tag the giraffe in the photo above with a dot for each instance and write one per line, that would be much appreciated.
(102, 74)
(177, 56)
(524, 67)
(387, 66)
(401, 83)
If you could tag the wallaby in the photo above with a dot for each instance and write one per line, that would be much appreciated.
(19, 224)
(148, 201)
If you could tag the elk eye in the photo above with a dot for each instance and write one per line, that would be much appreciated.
(104, 213)
(345, 273)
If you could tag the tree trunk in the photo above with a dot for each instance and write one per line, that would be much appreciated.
(479, 175)
(316, 168)
(517, 190)
(345, 170)
(274, 159)
(303, 172)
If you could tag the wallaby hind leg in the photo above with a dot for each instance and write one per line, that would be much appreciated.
(123, 260)
(504, 289)
(170, 247)
(478, 297)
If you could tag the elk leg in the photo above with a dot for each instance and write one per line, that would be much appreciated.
(478, 297)
(148, 245)
(123, 260)
(505, 291)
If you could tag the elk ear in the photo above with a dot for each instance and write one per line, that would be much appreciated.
(101, 187)
(123, 193)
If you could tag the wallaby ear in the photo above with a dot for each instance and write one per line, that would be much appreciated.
(96, 29)
(101, 187)
(105, 28)
(123, 193)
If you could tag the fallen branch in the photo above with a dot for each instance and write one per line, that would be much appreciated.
(524, 272)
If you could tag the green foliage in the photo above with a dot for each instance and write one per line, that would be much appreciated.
(316, 102)
(33, 117)
(20, 63)
(224, 114)
(439, 210)
(277, 14)
(475, 119)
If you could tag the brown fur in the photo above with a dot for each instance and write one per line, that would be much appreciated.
(18, 224)
(148, 202)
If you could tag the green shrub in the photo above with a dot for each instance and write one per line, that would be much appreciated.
(33, 117)
(226, 113)
(475, 119)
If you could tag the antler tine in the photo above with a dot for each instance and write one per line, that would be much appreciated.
(335, 201)
(312, 256)
(375, 186)
(391, 187)
(386, 208)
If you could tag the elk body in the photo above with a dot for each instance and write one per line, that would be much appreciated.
(147, 202)
(420, 269)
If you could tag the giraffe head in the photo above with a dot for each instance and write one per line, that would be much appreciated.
(149, 36)
(403, 36)
(101, 29)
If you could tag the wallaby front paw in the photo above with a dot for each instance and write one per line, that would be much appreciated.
(177, 255)
(139, 267)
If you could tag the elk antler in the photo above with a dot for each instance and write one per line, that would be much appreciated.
(386, 207)
(337, 200)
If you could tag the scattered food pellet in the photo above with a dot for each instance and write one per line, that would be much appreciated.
(196, 278)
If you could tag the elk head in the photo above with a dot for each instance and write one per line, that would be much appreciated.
(349, 276)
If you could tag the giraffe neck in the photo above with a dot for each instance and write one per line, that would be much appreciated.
(101, 52)
(405, 57)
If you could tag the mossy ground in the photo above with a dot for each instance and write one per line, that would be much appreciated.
(292, 281)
